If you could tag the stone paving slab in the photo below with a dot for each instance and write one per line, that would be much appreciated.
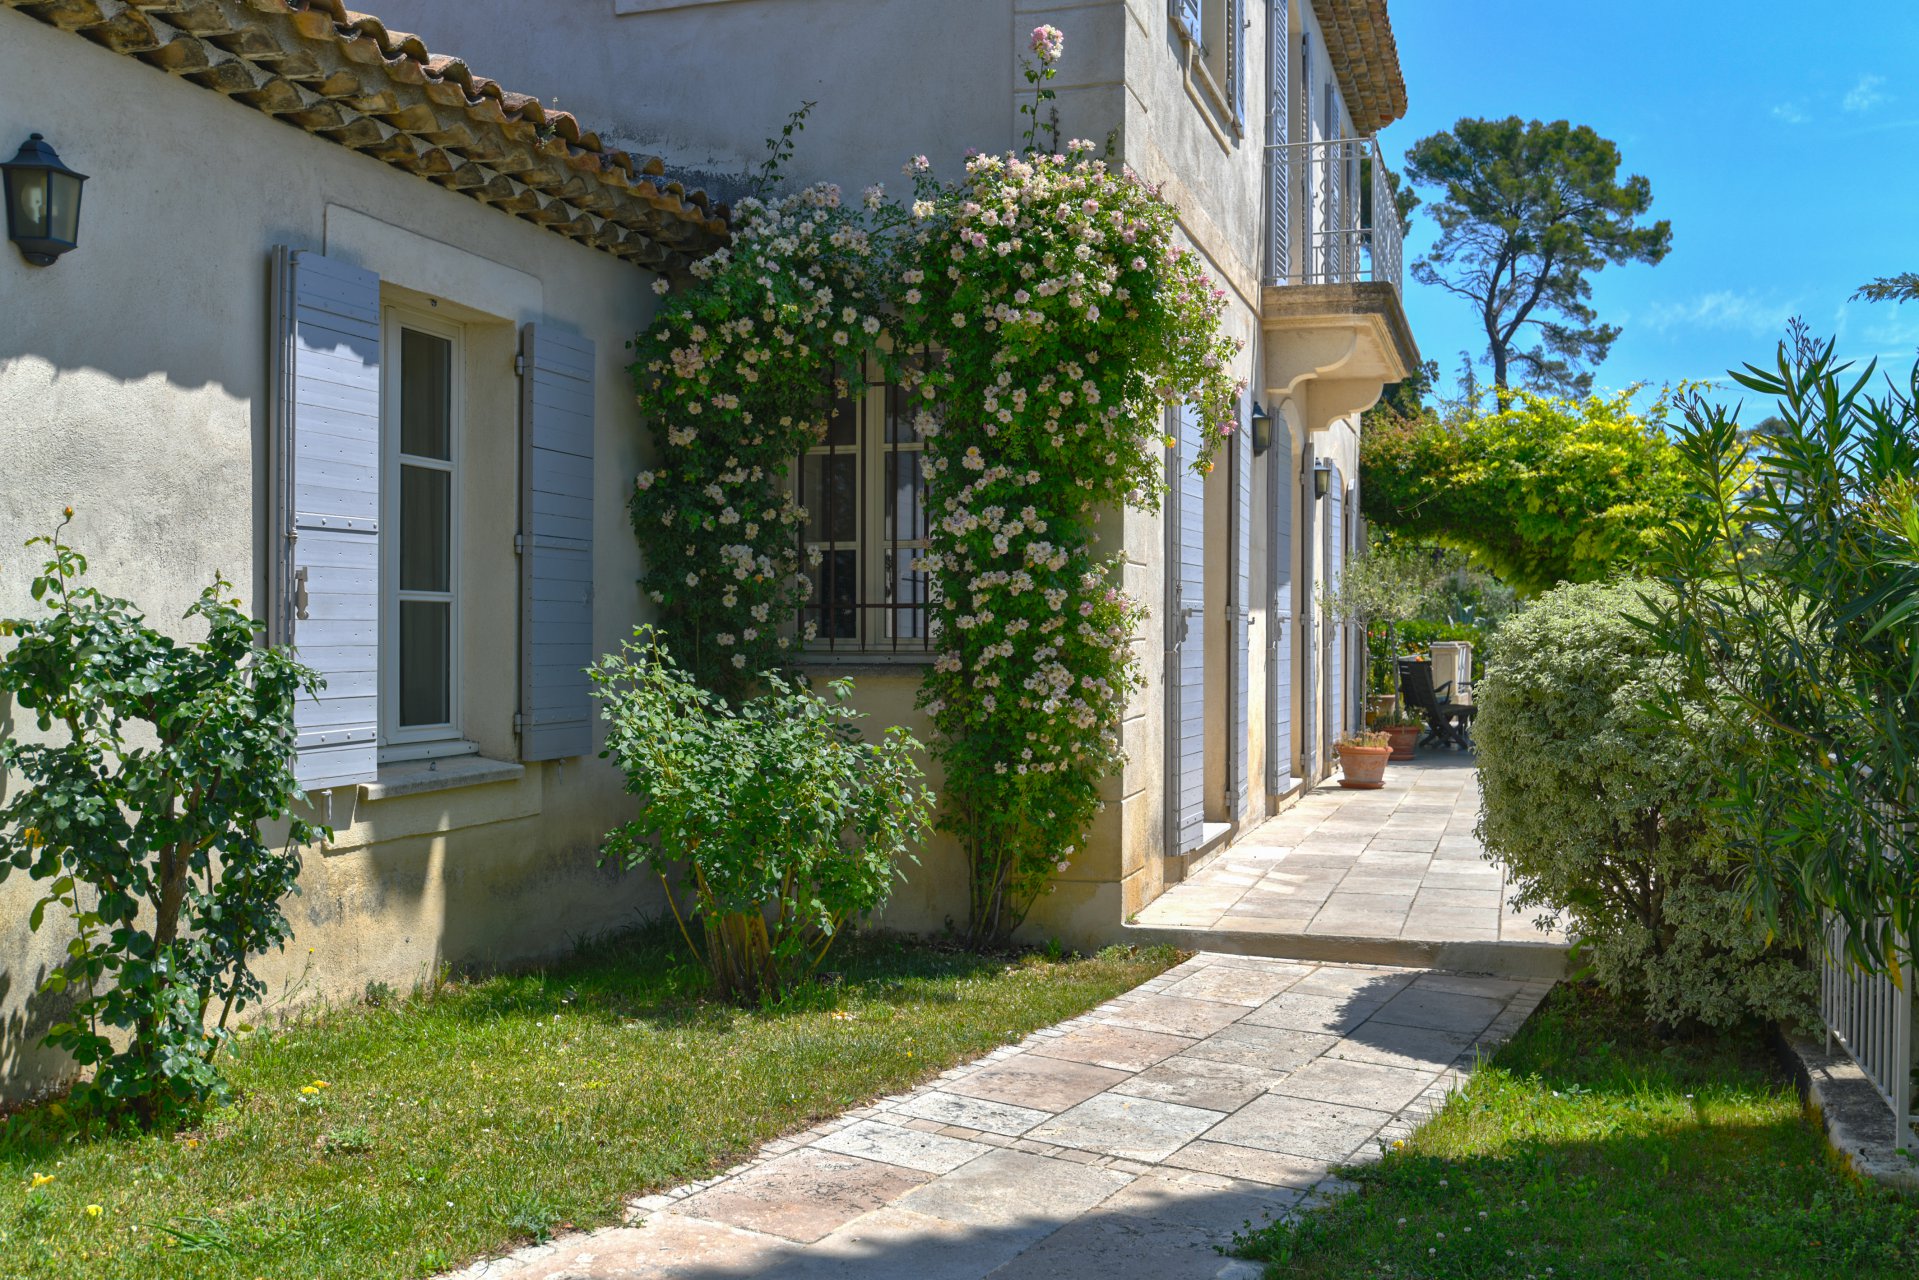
(1134, 1140)
(1394, 876)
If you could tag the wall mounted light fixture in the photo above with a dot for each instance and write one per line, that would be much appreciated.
(1262, 430)
(43, 202)
(1322, 478)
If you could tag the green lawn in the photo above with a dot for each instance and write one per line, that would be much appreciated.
(1591, 1148)
(402, 1139)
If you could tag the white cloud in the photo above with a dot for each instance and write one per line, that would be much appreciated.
(1865, 95)
(1723, 309)
(1790, 113)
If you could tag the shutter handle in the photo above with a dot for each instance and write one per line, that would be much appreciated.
(300, 598)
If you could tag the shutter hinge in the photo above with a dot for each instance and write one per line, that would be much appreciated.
(517, 721)
(519, 544)
(519, 363)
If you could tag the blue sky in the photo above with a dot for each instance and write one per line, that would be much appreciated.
(1781, 140)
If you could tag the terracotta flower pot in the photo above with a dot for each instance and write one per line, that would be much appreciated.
(1381, 704)
(1363, 768)
(1404, 738)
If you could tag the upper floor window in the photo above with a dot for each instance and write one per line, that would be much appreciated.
(420, 571)
(1214, 31)
(866, 524)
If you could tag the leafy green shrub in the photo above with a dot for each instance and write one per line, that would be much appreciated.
(142, 804)
(786, 824)
(1795, 591)
(1597, 806)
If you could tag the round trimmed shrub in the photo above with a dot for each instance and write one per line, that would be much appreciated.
(1600, 807)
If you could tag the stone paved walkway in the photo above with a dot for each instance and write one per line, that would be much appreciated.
(1397, 864)
(1128, 1142)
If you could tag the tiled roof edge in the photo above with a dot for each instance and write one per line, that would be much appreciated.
(1359, 42)
(342, 75)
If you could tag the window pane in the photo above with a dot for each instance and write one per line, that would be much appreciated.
(426, 395)
(902, 413)
(906, 593)
(836, 596)
(425, 663)
(426, 528)
(842, 425)
(831, 497)
(905, 512)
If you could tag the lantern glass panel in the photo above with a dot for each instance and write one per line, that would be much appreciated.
(28, 189)
(63, 207)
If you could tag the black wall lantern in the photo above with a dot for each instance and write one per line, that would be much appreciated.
(43, 202)
(1262, 430)
(1322, 478)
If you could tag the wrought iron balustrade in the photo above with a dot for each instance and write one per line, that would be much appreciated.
(1331, 218)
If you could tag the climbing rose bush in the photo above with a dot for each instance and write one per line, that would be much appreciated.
(1070, 321)
(1046, 318)
(738, 375)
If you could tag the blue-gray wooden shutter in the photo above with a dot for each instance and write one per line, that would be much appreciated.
(1336, 639)
(1236, 57)
(1282, 629)
(325, 561)
(556, 543)
(1279, 259)
(1186, 779)
(1242, 611)
(1311, 616)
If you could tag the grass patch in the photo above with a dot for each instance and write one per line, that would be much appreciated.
(403, 1136)
(1591, 1148)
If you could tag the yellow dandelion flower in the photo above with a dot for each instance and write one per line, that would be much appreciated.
(308, 1090)
(93, 1211)
(321, 1084)
(42, 1179)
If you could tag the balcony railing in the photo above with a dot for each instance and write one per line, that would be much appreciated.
(1331, 215)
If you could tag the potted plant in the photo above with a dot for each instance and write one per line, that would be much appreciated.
(1402, 733)
(1388, 585)
(1362, 760)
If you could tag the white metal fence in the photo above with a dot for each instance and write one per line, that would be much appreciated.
(1870, 1015)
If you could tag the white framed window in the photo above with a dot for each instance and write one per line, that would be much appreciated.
(423, 373)
(866, 525)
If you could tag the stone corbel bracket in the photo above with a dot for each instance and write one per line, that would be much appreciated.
(1332, 349)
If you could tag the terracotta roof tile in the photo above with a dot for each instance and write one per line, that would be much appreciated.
(342, 75)
(1359, 41)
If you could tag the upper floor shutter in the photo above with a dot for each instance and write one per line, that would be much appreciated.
(325, 514)
(556, 553)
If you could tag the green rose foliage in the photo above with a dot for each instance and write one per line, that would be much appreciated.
(784, 824)
(141, 804)
(1604, 814)
(1546, 491)
(738, 374)
(1068, 319)
(1044, 318)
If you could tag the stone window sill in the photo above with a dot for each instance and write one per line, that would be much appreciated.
(419, 777)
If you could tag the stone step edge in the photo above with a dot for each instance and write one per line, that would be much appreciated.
(1499, 959)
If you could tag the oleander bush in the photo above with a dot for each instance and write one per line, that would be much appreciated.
(783, 825)
(1604, 814)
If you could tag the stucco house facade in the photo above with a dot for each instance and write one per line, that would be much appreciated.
(1254, 117)
(346, 323)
